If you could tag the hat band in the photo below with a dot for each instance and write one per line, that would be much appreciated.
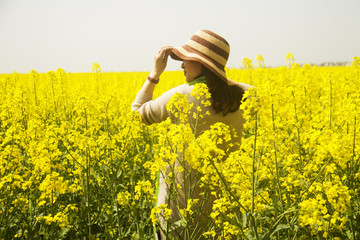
(192, 50)
(210, 45)
(206, 51)
(214, 40)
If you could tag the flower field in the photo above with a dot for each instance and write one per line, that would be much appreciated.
(76, 163)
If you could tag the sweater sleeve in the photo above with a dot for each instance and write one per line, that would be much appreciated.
(154, 111)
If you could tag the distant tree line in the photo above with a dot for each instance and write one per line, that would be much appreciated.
(334, 64)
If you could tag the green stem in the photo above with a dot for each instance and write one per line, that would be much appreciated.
(353, 163)
(117, 216)
(87, 191)
(330, 103)
(298, 131)
(86, 121)
(321, 170)
(253, 180)
(353, 155)
(223, 181)
(276, 163)
(35, 93)
(251, 82)
(273, 227)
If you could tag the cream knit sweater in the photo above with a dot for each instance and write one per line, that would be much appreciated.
(154, 111)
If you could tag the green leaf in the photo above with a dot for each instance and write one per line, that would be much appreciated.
(280, 227)
(118, 175)
(245, 219)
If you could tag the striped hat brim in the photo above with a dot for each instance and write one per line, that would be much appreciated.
(181, 54)
(208, 48)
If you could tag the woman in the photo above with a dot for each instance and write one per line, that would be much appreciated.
(204, 58)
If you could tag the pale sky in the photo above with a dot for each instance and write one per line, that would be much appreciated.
(125, 35)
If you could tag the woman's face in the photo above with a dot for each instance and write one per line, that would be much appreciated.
(192, 69)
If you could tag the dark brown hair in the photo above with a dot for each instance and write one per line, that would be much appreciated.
(224, 98)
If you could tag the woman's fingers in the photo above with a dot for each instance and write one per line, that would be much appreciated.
(165, 48)
(164, 52)
(161, 60)
(162, 55)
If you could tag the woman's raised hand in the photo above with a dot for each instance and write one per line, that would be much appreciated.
(160, 61)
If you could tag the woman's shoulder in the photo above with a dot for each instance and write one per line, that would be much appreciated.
(183, 89)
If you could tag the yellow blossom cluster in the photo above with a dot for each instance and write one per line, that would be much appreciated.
(70, 139)
(76, 163)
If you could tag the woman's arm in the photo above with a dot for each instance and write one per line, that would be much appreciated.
(152, 111)
(160, 62)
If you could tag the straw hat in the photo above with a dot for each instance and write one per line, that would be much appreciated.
(208, 48)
